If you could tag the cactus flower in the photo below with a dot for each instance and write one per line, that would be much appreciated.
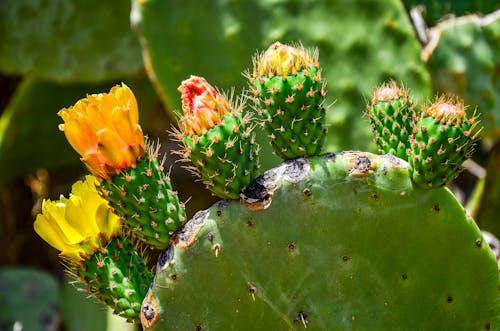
(202, 106)
(104, 130)
(79, 225)
(283, 60)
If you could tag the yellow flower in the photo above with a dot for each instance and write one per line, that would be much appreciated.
(79, 225)
(104, 129)
(283, 60)
(202, 105)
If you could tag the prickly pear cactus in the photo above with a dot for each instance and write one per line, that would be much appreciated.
(335, 242)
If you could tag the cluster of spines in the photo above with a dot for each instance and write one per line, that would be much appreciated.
(115, 275)
(145, 200)
(392, 119)
(288, 94)
(443, 139)
(226, 158)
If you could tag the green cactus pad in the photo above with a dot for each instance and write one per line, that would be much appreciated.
(392, 119)
(30, 300)
(463, 57)
(143, 197)
(292, 109)
(68, 41)
(116, 276)
(226, 158)
(440, 144)
(334, 242)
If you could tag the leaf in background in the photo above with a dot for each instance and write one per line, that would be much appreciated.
(68, 41)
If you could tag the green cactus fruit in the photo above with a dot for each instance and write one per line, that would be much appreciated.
(392, 119)
(333, 242)
(115, 275)
(289, 94)
(443, 140)
(217, 138)
(143, 197)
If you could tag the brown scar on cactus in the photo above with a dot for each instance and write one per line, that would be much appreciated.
(189, 233)
(149, 311)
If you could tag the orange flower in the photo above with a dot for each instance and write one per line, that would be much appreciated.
(104, 130)
(202, 105)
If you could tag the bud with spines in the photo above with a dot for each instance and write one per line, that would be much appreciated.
(218, 139)
(289, 93)
(392, 119)
(443, 139)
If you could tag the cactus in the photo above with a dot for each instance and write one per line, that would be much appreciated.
(104, 130)
(96, 251)
(298, 253)
(289, 94)
(444, 138)
(392, 119)
(393, 252)
(217, 138)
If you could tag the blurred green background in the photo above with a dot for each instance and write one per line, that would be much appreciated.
(54, 52)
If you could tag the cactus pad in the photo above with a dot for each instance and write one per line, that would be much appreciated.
(334, 242)
(143, 197)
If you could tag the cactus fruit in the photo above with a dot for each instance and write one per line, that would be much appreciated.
(339, 242)
(289, 94)
(104, 130)
(443, 139)
(392, 119)
(97, 253)
(217, 138)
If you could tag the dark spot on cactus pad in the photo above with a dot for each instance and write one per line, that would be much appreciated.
(329, 156)
(252, 289)
(479, 243)
(487, 326)
(164, 259)
(291, 247)
(374, 196)
(404, 276)
(173, 276)
(449, 299)
(301, 317)
(307, 192)
(210, 237)
(436, 208)
(219, 213)
(360, 165)
(199, 327)
(345, 258)
(250, 222)
(296, 170)
(149, 311)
